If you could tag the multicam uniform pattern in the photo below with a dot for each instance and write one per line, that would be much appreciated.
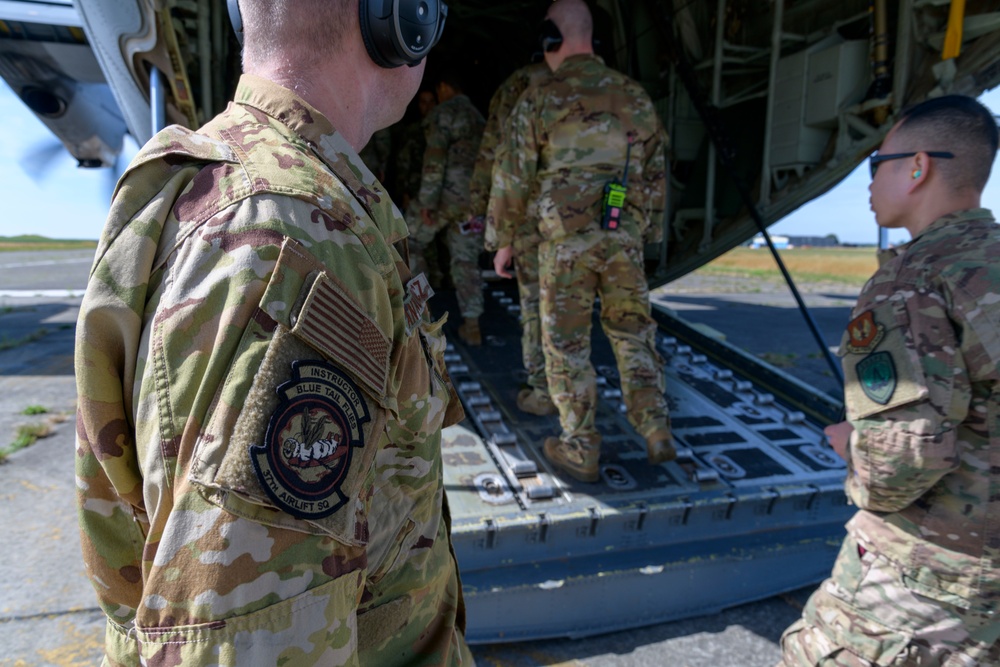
(526, 238)
(917, 581)
(455, 128)
(565, 140)
(261, 396)
(409, 162)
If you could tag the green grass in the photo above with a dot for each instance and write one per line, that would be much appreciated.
(779, 359)
(36, 242)
(9, 343)
(26, 436)
(34, 410)
(847, 266)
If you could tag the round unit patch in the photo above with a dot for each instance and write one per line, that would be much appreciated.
(306, 455)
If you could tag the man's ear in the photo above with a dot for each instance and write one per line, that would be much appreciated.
(918, 170)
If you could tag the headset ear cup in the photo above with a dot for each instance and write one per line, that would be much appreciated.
(402, 31)
(368, 36)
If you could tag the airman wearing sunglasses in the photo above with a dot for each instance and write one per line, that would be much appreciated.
(917, 581)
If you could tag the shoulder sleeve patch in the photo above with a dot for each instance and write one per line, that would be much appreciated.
(334, 324)
(864, 334)
(882, 365)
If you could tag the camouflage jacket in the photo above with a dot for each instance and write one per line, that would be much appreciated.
(921, 357)
(501, 104)
(569, 138)
(261, 395)
(454, 129)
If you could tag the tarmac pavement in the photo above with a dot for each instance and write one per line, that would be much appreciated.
(48, 613)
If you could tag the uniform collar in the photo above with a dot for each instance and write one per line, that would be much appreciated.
(283, 105)
(939, 227)
(333, 149)
(579, 60)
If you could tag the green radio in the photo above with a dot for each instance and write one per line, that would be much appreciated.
(613, 201)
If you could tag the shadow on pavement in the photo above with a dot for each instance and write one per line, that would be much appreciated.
(38, 339)
(773, 329)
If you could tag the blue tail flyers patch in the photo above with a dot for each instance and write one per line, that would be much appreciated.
(306, 455)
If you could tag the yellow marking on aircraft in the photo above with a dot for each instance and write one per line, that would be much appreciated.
(953, 37)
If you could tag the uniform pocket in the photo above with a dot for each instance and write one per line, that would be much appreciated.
(882, 368)
(842, 625)
(314, 627)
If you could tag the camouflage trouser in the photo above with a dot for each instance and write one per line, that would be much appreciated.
(572, 271)
(424, 259)
(526, 269)
(464, 250)
(865, 616)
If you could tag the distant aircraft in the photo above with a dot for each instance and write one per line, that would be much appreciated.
(768, 105)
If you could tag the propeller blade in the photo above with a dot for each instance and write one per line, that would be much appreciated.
(39, 161)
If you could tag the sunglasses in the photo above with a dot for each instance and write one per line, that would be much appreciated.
(875, 160)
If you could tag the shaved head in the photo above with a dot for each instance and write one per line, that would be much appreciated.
(957, 124)
(294, 34)
(573, 19)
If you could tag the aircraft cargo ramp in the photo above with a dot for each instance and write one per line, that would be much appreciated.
(753, 506)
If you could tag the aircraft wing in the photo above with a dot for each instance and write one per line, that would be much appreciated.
(48, 61)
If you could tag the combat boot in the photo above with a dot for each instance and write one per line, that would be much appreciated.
(536, 402)
(469, 332)
(573, 458)
(660, 446)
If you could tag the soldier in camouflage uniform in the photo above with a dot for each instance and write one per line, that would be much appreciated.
(409, 159)
(917, 581)
(567, 139)
(407, 172)
(261, 391)
(455, 128)
(526, 239)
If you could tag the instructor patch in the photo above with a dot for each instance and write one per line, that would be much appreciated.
(306, 455)
(877, 374)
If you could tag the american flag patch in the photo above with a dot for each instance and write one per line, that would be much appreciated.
(418, 291)
(334, 324)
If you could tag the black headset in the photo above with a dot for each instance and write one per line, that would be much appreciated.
(401, 32)
(395, 32)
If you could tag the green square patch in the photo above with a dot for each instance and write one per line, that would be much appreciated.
(877, 374)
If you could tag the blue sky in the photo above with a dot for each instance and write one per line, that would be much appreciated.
(65, 202)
